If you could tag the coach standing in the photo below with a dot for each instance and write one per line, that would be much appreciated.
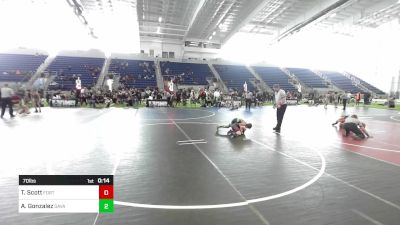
(6, 95)
(280, 103)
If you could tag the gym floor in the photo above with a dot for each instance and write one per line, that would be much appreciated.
(170, 166)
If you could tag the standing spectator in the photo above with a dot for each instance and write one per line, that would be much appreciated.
(178, 95)
(358, 98)
(93, 99)
(168, 97)
(48, 97)
(36, 101)
(217, 98)
(367, 98)
(184, 97)
(326, 100)
(311, 98)
(280, 103)
(335, 99)
(6, 95)
(299, 97)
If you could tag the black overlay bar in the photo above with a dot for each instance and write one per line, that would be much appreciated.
(66, 179)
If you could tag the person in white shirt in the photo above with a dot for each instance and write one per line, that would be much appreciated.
(345, 99)
(6, 101)
(326, 100)
(217, 98)
(280, 104)
(249, 97)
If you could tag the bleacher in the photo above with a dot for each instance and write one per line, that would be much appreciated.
(19, 68)
(234, 76)
(134, 73)
(274, 75)
(189, 73)
(341, 81)
(369, 86)
(66, 67)
(309, 78)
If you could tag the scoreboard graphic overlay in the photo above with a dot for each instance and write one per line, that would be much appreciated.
(66, 194)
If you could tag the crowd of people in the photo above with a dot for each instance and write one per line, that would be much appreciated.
(136, 97)
(146, 72)
(206, 97)
(186, 76)
(337, 98)
(133, 97)
(19, 72)
(25, 75)
(66, 76)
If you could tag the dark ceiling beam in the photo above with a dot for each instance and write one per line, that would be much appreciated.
(320, 15)
(156, 23)
(194, 16)
(163, 27)
(256, 9)
(227, 6)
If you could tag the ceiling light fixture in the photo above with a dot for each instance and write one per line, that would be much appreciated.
(332, 15)
(160, 19)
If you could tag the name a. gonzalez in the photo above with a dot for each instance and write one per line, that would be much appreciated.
(43, 206)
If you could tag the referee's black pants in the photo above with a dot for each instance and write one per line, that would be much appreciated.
(344, 103)
(280, 112)
(4, 103)
(248, 103)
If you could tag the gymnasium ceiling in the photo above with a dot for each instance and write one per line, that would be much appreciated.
(217, 20)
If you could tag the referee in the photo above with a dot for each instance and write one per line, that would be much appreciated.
(249, 97)
(6, 95)
(280, 104)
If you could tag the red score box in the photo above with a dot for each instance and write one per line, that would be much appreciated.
(106, 191)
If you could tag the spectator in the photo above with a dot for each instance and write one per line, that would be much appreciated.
(36, 101)
(358, 98)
